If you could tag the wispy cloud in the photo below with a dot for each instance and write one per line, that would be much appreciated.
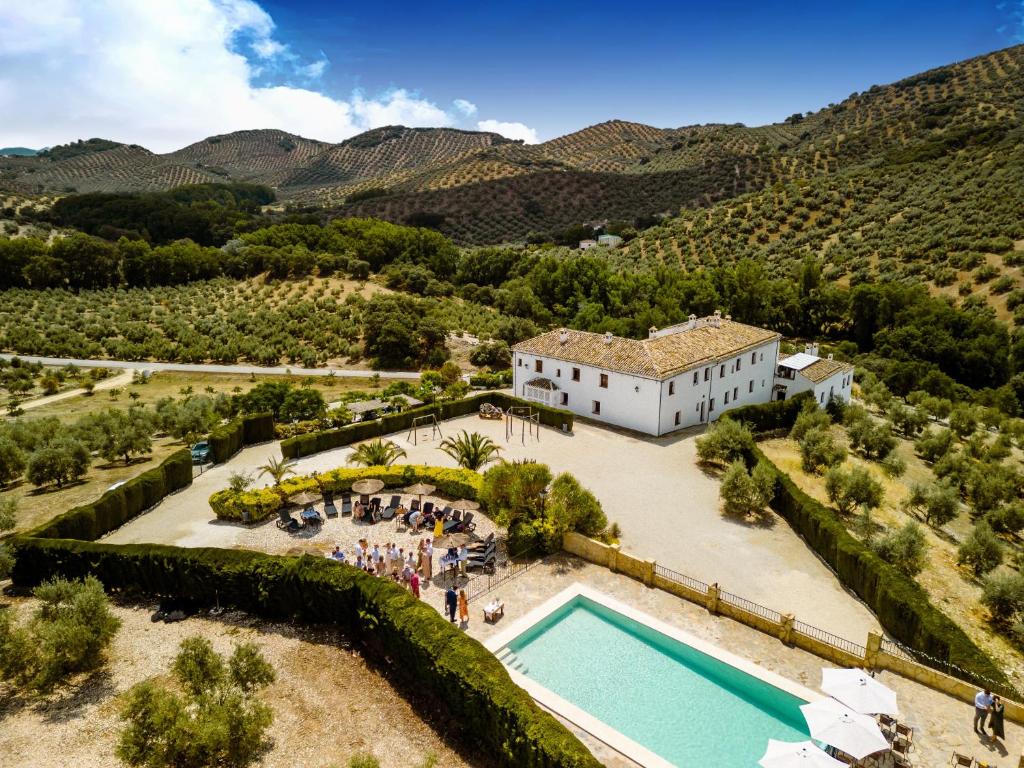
(510, 130)
(467, 108)
(169, 73)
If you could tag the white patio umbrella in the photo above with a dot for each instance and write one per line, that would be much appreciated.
(834, 723)
(859, 691)
(799, 754)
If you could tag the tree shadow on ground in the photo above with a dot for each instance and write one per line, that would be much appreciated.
(765, 519)
(69, 703)
(48, 489)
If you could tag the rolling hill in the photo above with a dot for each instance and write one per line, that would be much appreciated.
(906, 141)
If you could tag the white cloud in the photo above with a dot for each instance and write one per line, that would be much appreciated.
(164, 74)
(509, 130)
(467, 108)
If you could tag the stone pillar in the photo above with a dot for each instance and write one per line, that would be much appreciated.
(872, 649)
(713, 598)
(786, 628)
(649, 568)
(613, 558)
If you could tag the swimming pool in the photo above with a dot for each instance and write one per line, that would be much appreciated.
(644, 687)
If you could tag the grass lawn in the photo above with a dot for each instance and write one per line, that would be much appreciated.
(953, 589)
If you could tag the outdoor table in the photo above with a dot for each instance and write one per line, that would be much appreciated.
(453, 561)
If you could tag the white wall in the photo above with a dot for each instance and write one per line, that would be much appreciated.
(628, 401)
(689, 396)
(838, 384)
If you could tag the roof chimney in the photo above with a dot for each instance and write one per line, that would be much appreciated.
(716, 319)
(728, 318)
(652, 331)
(607, 337)
(691, 322)
(811, 349)
(563, 336)
(829, 355)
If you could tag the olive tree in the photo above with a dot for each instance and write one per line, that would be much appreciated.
(981, 551)
(849, 490)
(747, 493)
(724, 442)
(905, 549)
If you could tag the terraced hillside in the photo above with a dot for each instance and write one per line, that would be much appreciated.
(480, 187)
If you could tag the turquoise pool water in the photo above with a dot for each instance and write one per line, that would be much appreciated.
(681, 704)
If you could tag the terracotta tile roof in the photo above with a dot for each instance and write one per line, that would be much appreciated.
(822, 369)
(656, 358)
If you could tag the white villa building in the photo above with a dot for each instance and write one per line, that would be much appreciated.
(678, 377)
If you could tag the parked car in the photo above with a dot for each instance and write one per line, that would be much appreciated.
(201, 452)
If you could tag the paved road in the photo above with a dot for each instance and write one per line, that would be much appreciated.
(210, 368)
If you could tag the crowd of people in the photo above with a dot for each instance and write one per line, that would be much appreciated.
(410, 568)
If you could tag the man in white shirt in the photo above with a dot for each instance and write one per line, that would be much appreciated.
(982, 706)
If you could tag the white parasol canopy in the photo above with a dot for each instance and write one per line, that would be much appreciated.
(800, 754)
(859, 691)
(836, 724)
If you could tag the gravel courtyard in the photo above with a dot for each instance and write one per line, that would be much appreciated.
(667, 506)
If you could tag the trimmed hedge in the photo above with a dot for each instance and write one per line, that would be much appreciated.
(425, 653)
(901, 605)
(228, 439)
(264, 502)
(315, 442)
(119, 505)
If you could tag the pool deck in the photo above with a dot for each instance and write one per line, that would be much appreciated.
(941, 723)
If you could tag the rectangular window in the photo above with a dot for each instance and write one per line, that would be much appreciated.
(821, 397)
(696, 378)
(750, 388)
(721, 373)
(595, 408)
(558, 373)
(739, 364)
(706, 373)
(678, 418)
(565, 398)
(735, 393)
(671, 387)
(538, 366)
(711, 405)
(753, 358)
(762, 383)
(519, 362)
(604, 381)
(727, 397)
(762, 357)
(575, 374)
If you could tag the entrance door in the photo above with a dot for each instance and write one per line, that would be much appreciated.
(702, 412)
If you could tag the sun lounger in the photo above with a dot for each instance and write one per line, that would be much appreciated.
(346, 505)
(482, 545)
(286, 522)
(467, 523)
(494, 610)
(428, 508)
(414, 505)
(453, 523)
(329, 509)
(389, 511)
(959, 760)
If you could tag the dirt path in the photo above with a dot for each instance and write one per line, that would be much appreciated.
(121, 379)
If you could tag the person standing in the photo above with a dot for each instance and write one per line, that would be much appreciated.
(463, 607)
(419, 555)
(995, 719)
(982, 705)
(414, 584)
(451, 602)
(463, 559)
(428, 559)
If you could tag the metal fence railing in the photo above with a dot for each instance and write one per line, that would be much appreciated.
(750, 606)
(680, 578)
(855, 649)
(894, 648)
(503, 573)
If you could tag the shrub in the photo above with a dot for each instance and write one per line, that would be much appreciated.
(376, 453)
(511, 492)
(725, 441)
(811, 417)
(215, 720)
(893, 465)
(938, 503)
(570, 507)
(981, 551)
(905, 549)
(819, 449)
(849, 490)
(1008, 518)
(909, 421)
(12, 461)
(873, 441)
(963, 420)
(470, 451)
(67, 634)
(8, 512)
(932, 446)
(1003, 595)
(747, 493)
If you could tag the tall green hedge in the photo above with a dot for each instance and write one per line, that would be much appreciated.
(902, 607)
(228, 439)
(315, 442)
(424, 652)
(119, 505)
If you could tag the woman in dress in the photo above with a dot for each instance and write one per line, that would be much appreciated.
(995, 718)
(463, 607)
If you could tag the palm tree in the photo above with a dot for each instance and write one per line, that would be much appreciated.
(376, 453)
(470, 450)
(277, 469)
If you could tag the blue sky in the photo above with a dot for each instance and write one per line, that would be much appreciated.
(165, 73)
(559, 66)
